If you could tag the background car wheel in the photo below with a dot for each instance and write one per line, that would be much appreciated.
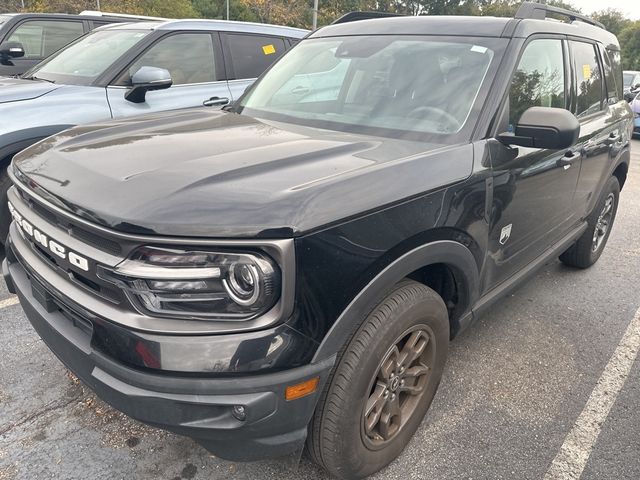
(5, 216)
(382, 385)
(587, 250)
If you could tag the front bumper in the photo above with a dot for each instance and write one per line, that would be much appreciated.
(197, 406)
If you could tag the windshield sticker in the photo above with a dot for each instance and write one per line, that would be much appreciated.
(269, 49)
(586, 71)
(479, 49)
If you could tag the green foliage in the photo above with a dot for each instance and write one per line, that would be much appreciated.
(630, 41)
(614, 20)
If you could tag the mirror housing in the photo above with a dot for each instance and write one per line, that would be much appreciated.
(145, 80)
(544, 127)
(11, 50)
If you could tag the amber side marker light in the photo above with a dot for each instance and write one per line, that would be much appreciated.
(300, 390)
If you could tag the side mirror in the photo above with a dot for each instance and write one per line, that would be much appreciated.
(145, 80)
(11, 50)
(544, 127)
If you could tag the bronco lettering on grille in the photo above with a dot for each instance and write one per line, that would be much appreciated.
(51, 245)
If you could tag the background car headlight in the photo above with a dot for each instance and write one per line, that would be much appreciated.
(198, 283)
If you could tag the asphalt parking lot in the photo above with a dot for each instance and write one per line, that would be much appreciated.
(517, 383)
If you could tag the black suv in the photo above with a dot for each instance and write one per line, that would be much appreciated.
(293, 269)
(28, 38)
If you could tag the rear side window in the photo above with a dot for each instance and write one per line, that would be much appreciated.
(616, 65)
(588, 79)
(539, 80)
(41, 38)
(253, 54)
(612, 78)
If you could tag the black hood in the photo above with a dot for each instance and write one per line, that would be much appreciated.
(206, 173)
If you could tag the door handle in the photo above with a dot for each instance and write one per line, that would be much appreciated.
(216, 102)
(614, 138)
(568, 159)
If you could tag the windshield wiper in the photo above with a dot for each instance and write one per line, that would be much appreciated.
(33, 77)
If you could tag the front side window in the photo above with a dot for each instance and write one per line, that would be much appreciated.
(588, 79)
(41, 38)
(82, 62)
(251, 55)
(187, 56)
(628, 79)
(400, 86)
(539, 80)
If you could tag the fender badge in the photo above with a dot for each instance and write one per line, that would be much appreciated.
(505, 234)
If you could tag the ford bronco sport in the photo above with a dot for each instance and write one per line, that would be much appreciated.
(292, 269)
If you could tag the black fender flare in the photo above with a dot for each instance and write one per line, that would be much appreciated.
(14, 142)
(453, 254)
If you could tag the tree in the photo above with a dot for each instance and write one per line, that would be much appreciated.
(155, 8)
(630, 42)
(614, 20)
(218, 9)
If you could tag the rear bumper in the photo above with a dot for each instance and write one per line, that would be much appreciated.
(200, 407)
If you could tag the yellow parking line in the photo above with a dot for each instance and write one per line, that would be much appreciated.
(8, 302)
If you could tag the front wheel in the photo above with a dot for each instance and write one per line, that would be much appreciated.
(383, 384)
(588, 248)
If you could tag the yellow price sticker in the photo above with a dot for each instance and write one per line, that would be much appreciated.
(269, 49)
(586, 71)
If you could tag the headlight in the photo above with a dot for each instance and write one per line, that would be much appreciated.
(198, 283)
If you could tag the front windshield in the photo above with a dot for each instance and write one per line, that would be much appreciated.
(4, 18)
(82, 62)
(393, 85)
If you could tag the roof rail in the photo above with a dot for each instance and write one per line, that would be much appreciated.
(355, 16)
(95, 13)
(539, 11)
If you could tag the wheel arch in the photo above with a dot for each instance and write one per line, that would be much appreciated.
(15, 142)
(456, 258)
(620, 172)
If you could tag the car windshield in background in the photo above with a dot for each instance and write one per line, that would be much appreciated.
(393, 85)
(82, 62)
(628, 79)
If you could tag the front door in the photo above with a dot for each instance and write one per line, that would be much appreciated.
(533, 188)
(195, 65)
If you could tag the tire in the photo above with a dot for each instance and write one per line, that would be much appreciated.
(585, 252)
(338, 438)
(5, 216)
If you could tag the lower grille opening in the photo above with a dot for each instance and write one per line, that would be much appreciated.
(105, 292)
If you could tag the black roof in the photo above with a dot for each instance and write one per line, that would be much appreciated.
(446, 25)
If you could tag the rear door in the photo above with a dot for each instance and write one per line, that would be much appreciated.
(247, 56)
(601, 114)
(194, 60)
(40, 38)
